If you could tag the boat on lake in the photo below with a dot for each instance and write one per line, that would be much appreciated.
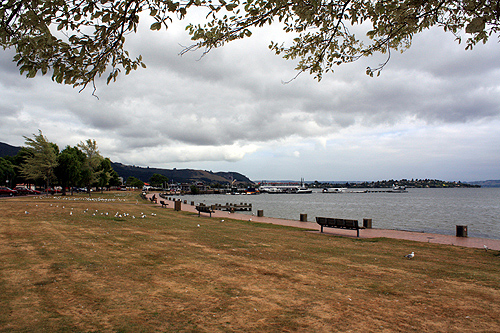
(397, 188)
(304, 190)
(289, 188)
(334, 190)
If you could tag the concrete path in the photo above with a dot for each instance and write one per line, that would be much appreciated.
(479, 243)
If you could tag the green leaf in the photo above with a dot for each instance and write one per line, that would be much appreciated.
(476, 25)
(155, 26)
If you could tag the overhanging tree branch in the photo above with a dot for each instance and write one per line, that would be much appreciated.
(94, 32)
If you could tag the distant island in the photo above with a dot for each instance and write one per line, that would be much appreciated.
(417, 183)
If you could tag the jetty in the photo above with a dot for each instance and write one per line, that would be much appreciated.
(382, 191)
(231, 207)
(394, 189)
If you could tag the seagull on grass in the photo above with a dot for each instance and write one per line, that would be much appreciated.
(410, 256)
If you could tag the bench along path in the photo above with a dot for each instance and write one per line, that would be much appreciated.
(493, 244)
(338, 223)
(204, 209)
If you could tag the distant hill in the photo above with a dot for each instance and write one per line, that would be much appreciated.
(487, 183)
(144, 174)
(8, 150)
(179, 175)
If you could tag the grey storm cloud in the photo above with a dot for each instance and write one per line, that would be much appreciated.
(232, 106)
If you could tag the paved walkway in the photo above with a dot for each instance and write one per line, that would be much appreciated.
(492, 244)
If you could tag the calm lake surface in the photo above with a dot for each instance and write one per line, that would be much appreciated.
(427, 210)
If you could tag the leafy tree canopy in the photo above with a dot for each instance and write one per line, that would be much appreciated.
(93, 166)
(158, 180)
(105, 172)
(78, 41)
(7, 172)
(41, 159)
(114, 179)
(135, 182)
(194, 189)
(69, 170)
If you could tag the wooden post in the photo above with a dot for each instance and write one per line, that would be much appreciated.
(303, 217)
(367, 223)
(461, 231)
(260, 213)
(177, 205)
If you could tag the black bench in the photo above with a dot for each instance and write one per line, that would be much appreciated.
(163, 204)
(204, 209)
(338, 223)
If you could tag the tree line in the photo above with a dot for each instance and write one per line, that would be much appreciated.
(40, 162)
(156, 181)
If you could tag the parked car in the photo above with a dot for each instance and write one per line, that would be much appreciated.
(25, 191)
(52, 191)
(22, 190)
(7, 191)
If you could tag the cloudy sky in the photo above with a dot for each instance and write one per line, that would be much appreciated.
(433, 113)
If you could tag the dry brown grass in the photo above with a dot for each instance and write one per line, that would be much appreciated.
(85, 272)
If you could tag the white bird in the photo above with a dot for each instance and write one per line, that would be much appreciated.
(198, 225)
(485, 247)
(410, 256)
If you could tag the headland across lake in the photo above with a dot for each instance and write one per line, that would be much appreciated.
(471, 242)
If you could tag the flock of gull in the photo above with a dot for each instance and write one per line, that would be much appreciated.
(92, 212)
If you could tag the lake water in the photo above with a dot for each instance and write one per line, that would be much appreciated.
(427, 210)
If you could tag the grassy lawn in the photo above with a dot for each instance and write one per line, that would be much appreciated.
(78, 265)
